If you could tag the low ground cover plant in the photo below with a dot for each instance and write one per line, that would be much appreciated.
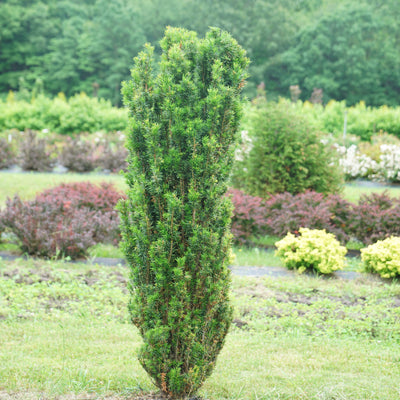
(383, 257)
(313, 250)
(65, 220)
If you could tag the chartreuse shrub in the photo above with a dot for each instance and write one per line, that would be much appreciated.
(80, 113)
(313, 250)
(175, 222)
(383, 257)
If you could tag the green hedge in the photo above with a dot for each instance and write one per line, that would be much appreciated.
(362, 121)
(80, 113)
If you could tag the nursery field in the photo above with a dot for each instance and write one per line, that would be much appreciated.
(65, 334)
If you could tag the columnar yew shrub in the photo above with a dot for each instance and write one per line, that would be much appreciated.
(175, 222)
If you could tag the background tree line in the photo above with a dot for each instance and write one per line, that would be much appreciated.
(349, 50)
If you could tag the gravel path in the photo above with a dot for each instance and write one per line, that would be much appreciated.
(253, 271)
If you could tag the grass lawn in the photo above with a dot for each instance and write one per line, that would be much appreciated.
(65, 331)
(353, 191)
(242, 256)
(28, 184)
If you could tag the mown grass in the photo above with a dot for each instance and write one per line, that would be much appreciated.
(353, 191)
(65, 330)
(255, 257)
(29, 183)
(105, 251)
(242, 256)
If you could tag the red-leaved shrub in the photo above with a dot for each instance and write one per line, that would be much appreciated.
(33, 154)
(376, 217)
(288, 213)
(78, 155)
(340, 218)
(2, 228)
(6, 154)
(112, 159)
(101, 197)
(248, 216)
(381, 200)
(44, 229)
(65, 220)
(284, 212)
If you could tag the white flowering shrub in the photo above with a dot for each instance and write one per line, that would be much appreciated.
(244, 147)
(383, 257)
(355, 164)
(313, 250)
(389, 165)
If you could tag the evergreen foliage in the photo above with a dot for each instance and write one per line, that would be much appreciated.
(286, 155)
(348, 49)
(175, 222)
(349, 54)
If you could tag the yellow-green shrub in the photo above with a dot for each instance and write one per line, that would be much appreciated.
(80, 113)
(383, 257)
(313, 250)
